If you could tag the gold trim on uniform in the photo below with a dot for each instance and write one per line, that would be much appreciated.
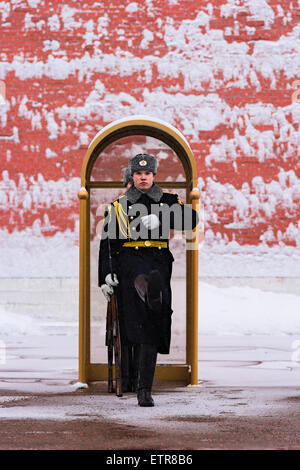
(146, 243)
(122, 219)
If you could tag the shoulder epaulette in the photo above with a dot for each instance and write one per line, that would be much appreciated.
(175, 196)
(119, 197)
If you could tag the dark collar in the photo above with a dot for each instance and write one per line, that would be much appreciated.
(133, 194)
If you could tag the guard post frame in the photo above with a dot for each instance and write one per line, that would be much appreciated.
(131, 126)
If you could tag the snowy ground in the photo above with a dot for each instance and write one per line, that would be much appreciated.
(249, 366)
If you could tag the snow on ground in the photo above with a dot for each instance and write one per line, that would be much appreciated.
(239, 376)
(249, 355)
(222, 311)
(13, 324)
(247, 311)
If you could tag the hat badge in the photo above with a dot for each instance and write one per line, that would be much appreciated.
(143, 163)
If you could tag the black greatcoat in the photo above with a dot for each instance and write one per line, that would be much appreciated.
(122, 223)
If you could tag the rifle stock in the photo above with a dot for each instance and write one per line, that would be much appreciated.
(113, 340)
(109, 344)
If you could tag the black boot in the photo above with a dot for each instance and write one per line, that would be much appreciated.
(145, 398)
(147, 364)
(149, 289)
(135, 366)
(126, 365)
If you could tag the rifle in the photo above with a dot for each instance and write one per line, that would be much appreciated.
(113, 339)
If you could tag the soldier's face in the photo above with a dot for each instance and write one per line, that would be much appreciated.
(143, 180)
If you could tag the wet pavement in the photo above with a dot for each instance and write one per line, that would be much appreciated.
(220, 418)
(248, 398)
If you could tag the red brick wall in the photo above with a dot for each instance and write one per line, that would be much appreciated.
(220, 71)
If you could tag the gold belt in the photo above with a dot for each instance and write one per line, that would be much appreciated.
(146, 243)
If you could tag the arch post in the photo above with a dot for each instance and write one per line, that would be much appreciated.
(194, 196)
(83, 196)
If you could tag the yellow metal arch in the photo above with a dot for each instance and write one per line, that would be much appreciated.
(129, 126)
(163, 131)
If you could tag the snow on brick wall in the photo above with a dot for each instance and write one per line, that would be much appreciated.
(222, 71)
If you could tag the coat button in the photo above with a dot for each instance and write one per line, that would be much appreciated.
(136, 247)
(131, 217)
(161, 204)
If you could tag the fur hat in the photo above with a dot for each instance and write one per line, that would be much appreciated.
(143, 161)
(126, 177)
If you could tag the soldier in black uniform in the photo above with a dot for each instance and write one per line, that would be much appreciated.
(137, 226)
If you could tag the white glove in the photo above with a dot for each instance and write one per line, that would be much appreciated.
(150, 221)
(107, 291)
(111, 282)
